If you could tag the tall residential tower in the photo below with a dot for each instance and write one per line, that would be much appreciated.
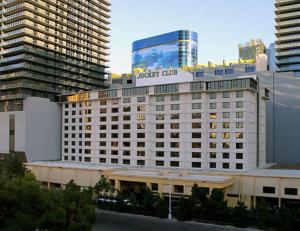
(50, 47)
(174, 49)
(288, 35)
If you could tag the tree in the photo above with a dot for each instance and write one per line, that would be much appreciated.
(216, 208)
(103, 186)
(241, 215)
(161, 207)
(199, 199)
(148, 202)
(183, 210)
(263, 213)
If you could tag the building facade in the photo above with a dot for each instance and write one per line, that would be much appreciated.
(288, 35)
(271, 54)
(171, 50)
(250, 50)
(50, 48)
(219, 125)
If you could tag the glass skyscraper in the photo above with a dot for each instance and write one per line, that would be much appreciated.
(171, 50)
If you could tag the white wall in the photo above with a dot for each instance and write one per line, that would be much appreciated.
(4, 132)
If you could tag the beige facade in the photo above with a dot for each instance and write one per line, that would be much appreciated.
(278, 186)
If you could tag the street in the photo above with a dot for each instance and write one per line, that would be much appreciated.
(112, 221)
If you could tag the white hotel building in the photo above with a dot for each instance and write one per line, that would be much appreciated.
(169, 121)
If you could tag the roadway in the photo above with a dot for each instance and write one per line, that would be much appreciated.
(112, 221)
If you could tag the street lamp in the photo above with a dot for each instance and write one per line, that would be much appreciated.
(170, 200)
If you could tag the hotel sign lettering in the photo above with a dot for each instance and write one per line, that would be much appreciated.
(155, 74)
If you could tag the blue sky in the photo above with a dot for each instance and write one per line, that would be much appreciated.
(221, 25)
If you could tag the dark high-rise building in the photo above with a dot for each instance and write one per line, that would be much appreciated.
(51, 47)
(288, 35)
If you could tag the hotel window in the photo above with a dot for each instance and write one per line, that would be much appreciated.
(114, 110)
(114, 144)
(196, 164)
(114, 118)
(226, 125)
(174, 126)
(196, 154)
(239, 104)
(239, 156)
(140, 108)
(114, 161)
(175, 116)
(140, 153)
(126, 135)
(140, 162)
(160, 107)
(212, 95)
(140, 144)
(102, 160)
(114, 135)
(160, 135)
(213, 115)
(239, 135)
(141, 99)
(239, 125)
(226, 145)
(87, 159)
(213, 106)
(212, 165)
(160, 117)
(226, 105)
(239, 94)
(141, 135)
(126, 117)
(126, 100)
(225, 155)
(86, 143)
(213, 145)
(114, 152)
(212, 125)
(160, 126)
(174, 144)
(226, 115)
(126, 153)
(140, 126)
(103, 110)
(291, 191)
(225, 94)
(239, 145)
(213, 155)
(196, 145)
(174, 154)
(174, 135)
(196, 95)
(140, 116)
(160, 144)
(126, 161)
(102, 135)
(199, 74)
(114, 127)
(160, 98)
(102, 119)
(66, 113)
(212, 135)
(126, 144)
(175, 107)
(196, 115)
(239, 166)
(174, 163)
(126, 109)
(103, 102)
(196, 135)
(114, 101)
(196, 105)
(239, 114)
(226, 135)
(160, 154)
(126, 126)
(268, 189)
(219, 72)
(102, 143)
(225, 165)
(175, 97)
(196, 125)
(159, 163)
(229, 71)
(87, 112)
(102, 152)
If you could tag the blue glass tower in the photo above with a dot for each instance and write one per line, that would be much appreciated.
(171, 50)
